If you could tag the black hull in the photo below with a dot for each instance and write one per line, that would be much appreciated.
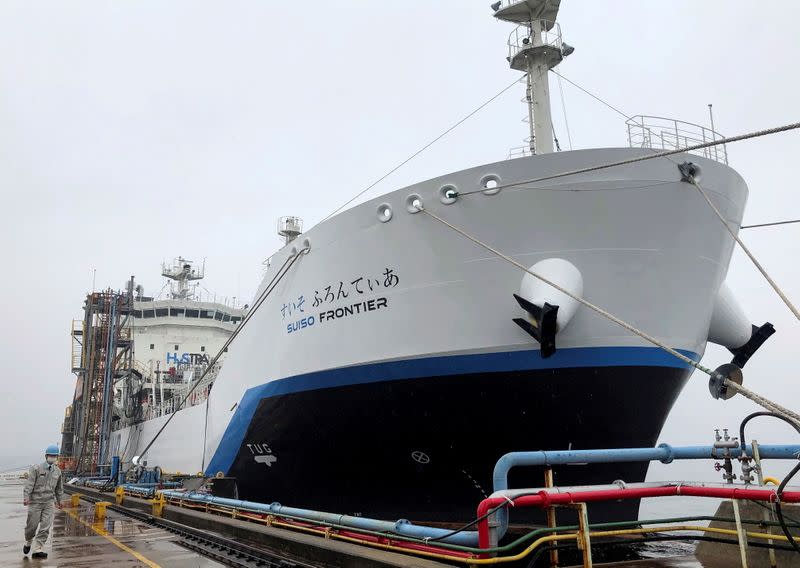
(425, 448)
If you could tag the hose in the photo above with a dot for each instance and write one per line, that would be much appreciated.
(778, 510)
(782, 486)
(749, 417)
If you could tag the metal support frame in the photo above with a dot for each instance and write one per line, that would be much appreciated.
(551, 516)
(768, 515)
(106, 356)
(584, 540)
(740, 533)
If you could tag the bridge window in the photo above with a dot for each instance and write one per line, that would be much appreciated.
(218, 316)
(192, 313)
(161, 312)
(137, 313)
(226, 317)
(176, 312)
(149, 313)
(207, 314)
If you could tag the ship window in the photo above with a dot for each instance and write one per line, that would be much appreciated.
(152, 346)
(160, 312)
(207, 314)
(235, 319)
(202, 348)
(149, 313)
(226, 317)
(176, 347)
(192, 313)
(218, 316)
(176, 312)
(137, 313)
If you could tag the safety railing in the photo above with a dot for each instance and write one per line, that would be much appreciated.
(662, 133)
(76, 333)
(522, 39)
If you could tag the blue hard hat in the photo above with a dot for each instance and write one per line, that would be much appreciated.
(52, 450)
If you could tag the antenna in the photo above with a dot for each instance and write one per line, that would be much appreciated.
(290, 228)
(182, 273)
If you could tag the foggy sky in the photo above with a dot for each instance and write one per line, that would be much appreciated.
(133, 132)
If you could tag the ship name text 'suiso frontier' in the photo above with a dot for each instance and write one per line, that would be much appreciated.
(330, 315)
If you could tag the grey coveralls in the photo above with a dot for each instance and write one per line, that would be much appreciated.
(42, 488)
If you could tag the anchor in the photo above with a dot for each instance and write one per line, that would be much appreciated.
(543, 329)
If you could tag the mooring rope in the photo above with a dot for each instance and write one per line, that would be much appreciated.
(588, 304)
(758, 399)
(281, 272)
(746, 250)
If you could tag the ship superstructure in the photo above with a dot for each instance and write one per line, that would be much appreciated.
(385, 350)
(137, 357)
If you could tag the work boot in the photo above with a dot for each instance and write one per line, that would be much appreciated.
(26, 548)
(39, 554)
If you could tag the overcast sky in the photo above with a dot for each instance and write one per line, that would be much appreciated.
(133, 132)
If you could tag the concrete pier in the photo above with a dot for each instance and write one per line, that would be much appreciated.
(77, 540)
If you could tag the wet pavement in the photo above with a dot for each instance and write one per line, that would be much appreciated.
(77, 541)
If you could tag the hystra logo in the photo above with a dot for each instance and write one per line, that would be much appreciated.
(188, 358)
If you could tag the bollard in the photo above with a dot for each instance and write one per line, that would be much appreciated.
(158, 504)
(75, 500)
(119, 495)
(100, 510)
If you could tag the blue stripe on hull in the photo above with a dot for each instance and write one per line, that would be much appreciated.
(431, 367)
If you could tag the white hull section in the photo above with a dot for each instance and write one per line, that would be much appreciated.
(647, 246)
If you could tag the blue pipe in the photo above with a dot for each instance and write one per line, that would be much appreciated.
(114, 468)
(402, 527)
(165, 484)
(663, 453)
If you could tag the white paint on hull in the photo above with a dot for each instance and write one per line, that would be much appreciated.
(649, 250)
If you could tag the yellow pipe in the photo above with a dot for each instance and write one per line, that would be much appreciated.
(533, 546)
(522, 554)
(771, 480)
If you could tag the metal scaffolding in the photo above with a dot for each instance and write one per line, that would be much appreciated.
(102, 355)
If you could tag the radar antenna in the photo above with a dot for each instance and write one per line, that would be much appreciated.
(182, 273)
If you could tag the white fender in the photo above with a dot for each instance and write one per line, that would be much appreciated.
(729, 326)
(561, 272)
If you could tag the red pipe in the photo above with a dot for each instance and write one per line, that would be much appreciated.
(544, 499)
(394, 541)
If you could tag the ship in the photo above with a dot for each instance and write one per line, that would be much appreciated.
(386, 361)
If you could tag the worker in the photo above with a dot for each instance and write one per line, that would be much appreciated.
(44, 490)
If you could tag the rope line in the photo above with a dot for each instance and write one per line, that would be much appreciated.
(564, 110)
(747, 136)
(746, 250)
(736, 238)
(770, 224)
(591, 306)
(747, 393)
(425, 147)
(762, 401)
(282, 271)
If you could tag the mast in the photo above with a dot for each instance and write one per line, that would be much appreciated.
(535, 47)
(182, 273)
